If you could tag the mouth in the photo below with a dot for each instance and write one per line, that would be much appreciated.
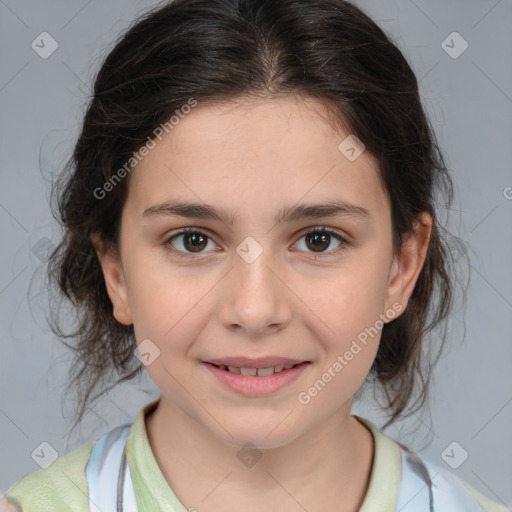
(257, 381)
(257, 372)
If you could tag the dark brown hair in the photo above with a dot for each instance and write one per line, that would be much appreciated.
(223, 50)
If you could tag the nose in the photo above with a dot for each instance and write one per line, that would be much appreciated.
(256, 296)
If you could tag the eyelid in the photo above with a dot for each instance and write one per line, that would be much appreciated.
(332, 231)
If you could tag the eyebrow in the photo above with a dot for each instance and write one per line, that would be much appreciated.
(287, 214)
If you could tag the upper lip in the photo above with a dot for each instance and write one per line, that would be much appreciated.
(261, 362)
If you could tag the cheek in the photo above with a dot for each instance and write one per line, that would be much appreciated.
(347, 300)
(345, 314)
(168, 302)
(354, 318)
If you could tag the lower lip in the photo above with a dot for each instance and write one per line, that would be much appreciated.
(252, 385)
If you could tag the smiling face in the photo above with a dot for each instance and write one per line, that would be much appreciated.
(256, 282)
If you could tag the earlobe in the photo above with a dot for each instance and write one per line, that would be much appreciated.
(114, 281)
(408, 264)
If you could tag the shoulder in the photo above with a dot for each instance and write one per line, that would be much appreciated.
(61, 487)
(449, 489)
(64, 485)
(448, 492)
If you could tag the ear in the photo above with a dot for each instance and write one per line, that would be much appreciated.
(114, 281)
(407, 265)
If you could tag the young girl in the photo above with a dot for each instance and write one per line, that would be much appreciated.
(250, 216)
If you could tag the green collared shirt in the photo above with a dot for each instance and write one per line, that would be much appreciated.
(62, 487)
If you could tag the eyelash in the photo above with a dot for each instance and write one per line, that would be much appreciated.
(344, 244)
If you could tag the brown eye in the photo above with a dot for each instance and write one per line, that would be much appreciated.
(192, 241)
(196, 242)
(318, 240)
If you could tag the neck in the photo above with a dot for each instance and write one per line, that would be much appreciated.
(331, 461)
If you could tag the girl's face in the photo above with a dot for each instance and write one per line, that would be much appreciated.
(252, 280)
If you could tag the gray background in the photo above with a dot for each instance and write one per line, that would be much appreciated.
(469, 99)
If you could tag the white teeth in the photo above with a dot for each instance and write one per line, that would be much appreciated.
(260, 372)
(248, 371)
(265, 372)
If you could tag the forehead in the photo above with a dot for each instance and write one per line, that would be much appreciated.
(255, 153)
